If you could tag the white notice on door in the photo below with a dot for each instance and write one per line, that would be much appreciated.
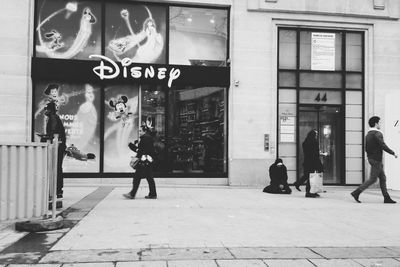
(322, 51)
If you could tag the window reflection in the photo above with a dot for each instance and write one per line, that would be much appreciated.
(196, 130)
(119, 130)
(198, 36)
(135, 31)
(153, 106)
(68, 30)
(79, 110)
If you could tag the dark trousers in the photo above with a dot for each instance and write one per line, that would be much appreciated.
(144, 171)
(305, 179)
(60, 159)
(376, 172)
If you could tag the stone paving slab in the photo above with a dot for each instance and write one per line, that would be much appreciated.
(76, 256)
(192, 263)
(34, 265)
(289, 263)
(91, 264)
(28, 257)
(355, 252)
(185, 254)
(335, 263)
(378, 262)
(143, 264)
(394, 248)
(241, 263)
(273, 253)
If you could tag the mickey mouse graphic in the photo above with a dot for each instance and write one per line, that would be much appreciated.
(121, 110)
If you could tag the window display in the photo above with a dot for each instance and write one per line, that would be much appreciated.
(196, 130)
(68, 30)
(136, 32)
(153, 108)
(198, 36)
(78, 107)
(110, 65)
(120, 126)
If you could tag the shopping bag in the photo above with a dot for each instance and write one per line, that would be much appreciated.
(316, 184)
(134, 163)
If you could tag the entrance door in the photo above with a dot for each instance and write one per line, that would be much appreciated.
(327, 120)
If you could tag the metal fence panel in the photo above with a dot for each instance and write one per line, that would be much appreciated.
(23, 180)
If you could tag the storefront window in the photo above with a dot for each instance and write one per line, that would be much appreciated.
(153, 109)
(198, 36)
(68, 30)
(196, 130)
(136, 32)
(79, 109)
(120, 128)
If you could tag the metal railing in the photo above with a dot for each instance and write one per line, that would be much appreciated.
(28, 174)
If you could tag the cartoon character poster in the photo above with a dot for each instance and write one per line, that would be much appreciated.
(120, 126)
(68, 30)
(136, 31)
(78, 107)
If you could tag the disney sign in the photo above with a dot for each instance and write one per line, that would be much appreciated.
(112, 70)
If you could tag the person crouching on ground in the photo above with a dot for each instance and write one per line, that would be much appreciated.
(278, 177)
(374, 146)
(144, 169)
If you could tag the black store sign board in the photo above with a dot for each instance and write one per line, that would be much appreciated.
(69, 70)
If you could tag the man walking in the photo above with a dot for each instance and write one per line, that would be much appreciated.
(374, 146)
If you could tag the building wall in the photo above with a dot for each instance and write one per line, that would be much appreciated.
(16, 31)
(254, 65)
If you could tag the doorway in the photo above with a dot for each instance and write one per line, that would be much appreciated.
(328, 121)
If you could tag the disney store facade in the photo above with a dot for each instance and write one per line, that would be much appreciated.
(168, 60)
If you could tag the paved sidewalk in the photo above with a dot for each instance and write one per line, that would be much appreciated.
(218, 226)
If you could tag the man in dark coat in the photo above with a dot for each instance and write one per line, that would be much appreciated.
(278, 176)
(144, 169)
(374, 146)
(55, 126)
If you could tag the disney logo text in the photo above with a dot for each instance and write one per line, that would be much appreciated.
(112, 70)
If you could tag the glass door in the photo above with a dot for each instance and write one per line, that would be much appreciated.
(327, 120)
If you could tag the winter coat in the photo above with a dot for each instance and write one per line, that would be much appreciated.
(311, 156)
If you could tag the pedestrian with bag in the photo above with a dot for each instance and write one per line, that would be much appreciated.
(374, 146)
(311, 162)
(278, 177)
(145, 154)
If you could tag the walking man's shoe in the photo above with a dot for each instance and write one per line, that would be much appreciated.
(356, 194)
(312, 195)
(389, 200)
(151, 197)
(128, 196)
(297, 187)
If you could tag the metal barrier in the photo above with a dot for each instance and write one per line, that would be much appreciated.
(27, 170)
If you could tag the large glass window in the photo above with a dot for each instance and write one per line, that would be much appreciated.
(189, 122)
(317, 72)
(196, 130)
(136, 32)
(68, 30)
(153, 109)
(79, 110)
(198, 36)
(120, 129)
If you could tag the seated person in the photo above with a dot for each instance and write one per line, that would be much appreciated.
(278, 176)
